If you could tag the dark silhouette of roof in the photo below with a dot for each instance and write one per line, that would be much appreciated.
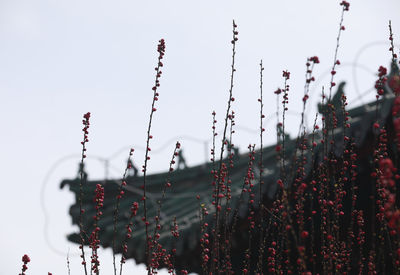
(181, 202)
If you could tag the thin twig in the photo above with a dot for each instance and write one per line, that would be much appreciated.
(161, 51)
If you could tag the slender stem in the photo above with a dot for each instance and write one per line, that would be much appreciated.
(161, 51)
(68, 267)
(85, 131)
(116, 207)
(335, 60)
(260, 183)
(215, 250)
(166, 185)
(394, 56)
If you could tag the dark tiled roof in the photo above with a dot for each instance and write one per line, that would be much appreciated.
(181, 199)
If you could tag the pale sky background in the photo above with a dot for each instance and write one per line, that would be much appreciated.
(60, 59)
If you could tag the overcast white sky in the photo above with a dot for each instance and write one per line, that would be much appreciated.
(60, 59)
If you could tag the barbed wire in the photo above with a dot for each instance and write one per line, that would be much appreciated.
(106, 162)
(357, 57)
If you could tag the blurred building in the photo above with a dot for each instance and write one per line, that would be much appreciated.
(191, 190)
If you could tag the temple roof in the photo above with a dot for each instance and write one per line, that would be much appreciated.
(181, 202)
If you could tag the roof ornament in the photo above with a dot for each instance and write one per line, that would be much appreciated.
(81, 170)
(394, 79)
(133, 172)
(280, 133)
(181, 160)
(233, 149)
(335, 104)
